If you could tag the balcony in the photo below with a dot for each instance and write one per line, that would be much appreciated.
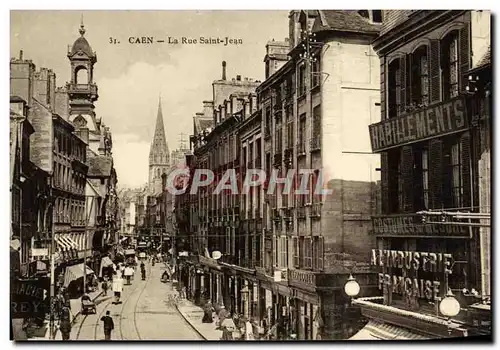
(315, 144)
(315, 210)
(90, 89)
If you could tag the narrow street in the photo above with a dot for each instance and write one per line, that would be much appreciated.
(145, 313)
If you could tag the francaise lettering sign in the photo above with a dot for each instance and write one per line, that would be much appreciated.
(411, 225)
(411, 263)
(440, 119)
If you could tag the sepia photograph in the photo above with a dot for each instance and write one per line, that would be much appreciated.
(250, 175)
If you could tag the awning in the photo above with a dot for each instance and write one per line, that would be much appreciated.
(375, 330)
(65, 242)
(75, 272)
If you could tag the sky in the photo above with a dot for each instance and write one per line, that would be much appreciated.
(131, 77)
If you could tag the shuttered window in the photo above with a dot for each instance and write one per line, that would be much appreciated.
(318, 253)
(420, 76)
(449, 65)
(394, 88)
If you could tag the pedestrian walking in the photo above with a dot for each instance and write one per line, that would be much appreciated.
(105, 287)
(109, 325)
(65, 328)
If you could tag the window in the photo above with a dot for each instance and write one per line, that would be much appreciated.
(377, 16)
(268, 121)
(449, 65)
(456, 176)
(316, 127)
(279, 138)
(295, 250)
(420, 77)
(283, 261)
(302, 80)
(318, 253)
(307, 249)
(290, 134)
(425, 177)
(394, 88)
(302, 134)
(315, 73)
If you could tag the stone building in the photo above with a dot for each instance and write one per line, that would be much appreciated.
(292, 254)
(435, 176)
(31, 210)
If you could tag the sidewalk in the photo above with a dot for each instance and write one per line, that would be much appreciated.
(193, 314)
(76, 309)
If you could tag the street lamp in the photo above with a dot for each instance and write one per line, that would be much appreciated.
(351, 287)
(449, 307)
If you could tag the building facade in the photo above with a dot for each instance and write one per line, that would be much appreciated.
(433, 139)
(285, 257)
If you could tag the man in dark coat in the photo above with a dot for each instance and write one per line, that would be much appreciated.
(109, 325)
(65, 325)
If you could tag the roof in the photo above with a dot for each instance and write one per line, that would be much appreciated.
(99, 166)
(17, 99)
(485, 60)
(82, 44)
(202, 123)
(345, 21)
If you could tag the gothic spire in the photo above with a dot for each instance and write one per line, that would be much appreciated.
(159, 145)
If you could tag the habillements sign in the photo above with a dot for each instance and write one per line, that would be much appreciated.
(27, 298)
(440, 119)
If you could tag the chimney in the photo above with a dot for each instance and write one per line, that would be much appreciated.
(223, 70)
(238, 77)
(21, 55)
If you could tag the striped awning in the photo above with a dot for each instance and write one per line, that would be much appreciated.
(65, 242)
(375, 330)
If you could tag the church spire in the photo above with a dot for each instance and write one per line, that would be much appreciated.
(159, 156)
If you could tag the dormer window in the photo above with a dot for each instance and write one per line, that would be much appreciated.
(374, 16)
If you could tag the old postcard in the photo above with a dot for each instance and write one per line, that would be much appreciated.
(250, 175)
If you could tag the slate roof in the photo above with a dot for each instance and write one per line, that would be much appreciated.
(99, 166)
(82, 44)
(202, 123)
(346, 21)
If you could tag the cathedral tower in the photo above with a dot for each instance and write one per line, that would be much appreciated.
(159, 156)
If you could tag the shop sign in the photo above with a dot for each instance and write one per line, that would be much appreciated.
(411, 225)
(410, 263)
(26, 298)
(437, 120)
(302, 277)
